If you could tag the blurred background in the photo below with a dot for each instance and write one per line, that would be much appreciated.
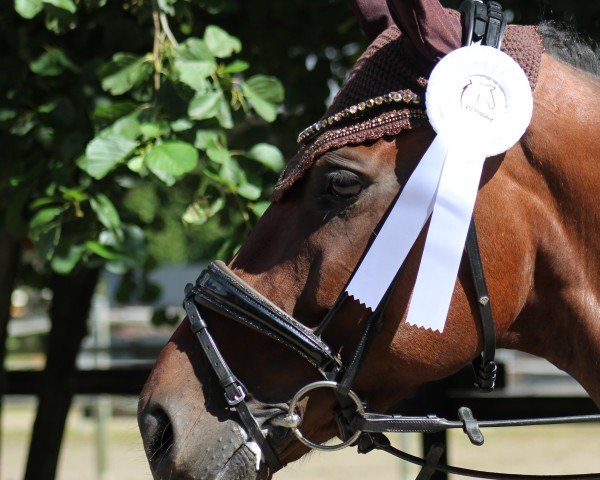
(140, 139)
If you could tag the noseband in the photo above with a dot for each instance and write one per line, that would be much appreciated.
(219, 290)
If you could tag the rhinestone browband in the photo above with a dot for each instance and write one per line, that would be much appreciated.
(407, 97)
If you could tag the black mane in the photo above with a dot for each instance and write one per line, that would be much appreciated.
(568, 46)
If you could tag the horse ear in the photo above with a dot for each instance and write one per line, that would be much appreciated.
(373, 16)
(434, 30)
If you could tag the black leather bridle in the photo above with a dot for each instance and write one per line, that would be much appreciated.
(220, 290)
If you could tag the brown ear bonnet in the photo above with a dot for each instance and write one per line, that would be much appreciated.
(385, 91)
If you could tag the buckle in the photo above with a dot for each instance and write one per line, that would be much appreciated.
(239, 396)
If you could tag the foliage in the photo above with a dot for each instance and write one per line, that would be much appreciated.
(131, 124)
(108, 120)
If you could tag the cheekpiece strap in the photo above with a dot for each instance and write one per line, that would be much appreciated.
(483, 23)
(235, 392)
(484, 366)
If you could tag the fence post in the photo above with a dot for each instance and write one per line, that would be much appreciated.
(432, 398)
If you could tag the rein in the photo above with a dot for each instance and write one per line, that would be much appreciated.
(220, 290)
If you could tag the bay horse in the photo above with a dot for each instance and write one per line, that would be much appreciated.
(538, 222)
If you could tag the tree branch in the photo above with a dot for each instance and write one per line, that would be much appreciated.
(157, 44)
(164, 21)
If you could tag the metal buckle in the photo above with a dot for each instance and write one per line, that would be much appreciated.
(293, 419)
(241, 393)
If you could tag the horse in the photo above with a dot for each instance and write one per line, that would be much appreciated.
(538, 224)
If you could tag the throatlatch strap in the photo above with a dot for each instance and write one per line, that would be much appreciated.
(235, 392)
(484, 365)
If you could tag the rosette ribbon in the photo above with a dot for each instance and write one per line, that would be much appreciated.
(479, 103)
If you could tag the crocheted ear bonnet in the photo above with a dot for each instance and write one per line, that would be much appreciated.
(385, 91)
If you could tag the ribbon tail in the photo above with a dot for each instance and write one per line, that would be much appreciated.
(446, 238)
(405, 221)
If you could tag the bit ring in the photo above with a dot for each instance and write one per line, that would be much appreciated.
(296, 429)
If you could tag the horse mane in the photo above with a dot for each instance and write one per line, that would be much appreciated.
(567, 45)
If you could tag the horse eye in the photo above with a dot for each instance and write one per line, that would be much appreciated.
(344, 184)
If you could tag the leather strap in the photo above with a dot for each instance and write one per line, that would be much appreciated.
(484, 366)
(466, 472)
(235, 392)
(483, 23)
(347, 412)
(432, 460)
(496, 25)
(219, 289)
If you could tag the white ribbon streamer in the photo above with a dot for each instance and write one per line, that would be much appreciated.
(400, 230)
(446, 238)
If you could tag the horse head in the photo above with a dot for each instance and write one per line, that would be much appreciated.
(538, 224)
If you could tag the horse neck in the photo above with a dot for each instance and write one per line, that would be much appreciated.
(561, 317)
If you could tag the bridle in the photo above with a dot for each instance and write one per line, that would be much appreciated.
(220, 290)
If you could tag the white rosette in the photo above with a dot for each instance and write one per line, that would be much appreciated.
(479, 103)
(459, 93)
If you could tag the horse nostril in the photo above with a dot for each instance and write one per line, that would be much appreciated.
(157, 432)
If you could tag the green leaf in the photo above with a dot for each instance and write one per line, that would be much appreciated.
(237, 66)
(259, 208)
(204, 105)
(109, 110)
(67, 5)
(194, 49)
(65, 259)
(267, 155)
(106, 211)
(218, 155)
(224, 114)
(52, 63)
(74, 194)
(171, 160)
(193, 73)
(42, 202)
(122, 252)
(199, 212)
(136, 164)
(264, 93)
(7, 114)
(153, 130)
(43, 221)
(28, 8)
(268, 88)
(126, 127)
(104, 251)
(206, 139)
(181, 125)
(220, 43)
(230, 174)
(124, 72)
(104, 153)
(249, 191)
